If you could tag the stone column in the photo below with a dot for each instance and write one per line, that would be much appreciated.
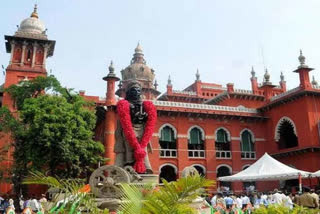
(45, 53)
(13, 43)
(34, 54)
(24, 45)
(109, 135)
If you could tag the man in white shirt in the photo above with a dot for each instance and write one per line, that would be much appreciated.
(245, 201)
(239, 202)
(214, 201)
(277, 198)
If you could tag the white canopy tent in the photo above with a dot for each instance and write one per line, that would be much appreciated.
(266, 169)
(316, 174)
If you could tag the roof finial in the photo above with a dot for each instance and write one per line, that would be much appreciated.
(138, 49)
(111, 68)
(198, 75)
(253, 73)
(169, 81)
(138, 55)
(314, 82)
(282, 77)
(155, 84)
(302, 60)
(34, 14)
(266, 76)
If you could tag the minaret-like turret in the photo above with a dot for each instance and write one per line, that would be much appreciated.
(169, 85)
(303, 71)
(111, 79)
(282, 82)
(29, 48)
(254, 81)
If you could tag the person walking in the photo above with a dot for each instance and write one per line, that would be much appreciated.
(307, 200)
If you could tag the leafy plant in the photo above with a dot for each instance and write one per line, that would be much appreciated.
(171, 198)
(74, 198)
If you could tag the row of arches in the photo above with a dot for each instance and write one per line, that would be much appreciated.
(285, 136)
(196, 146)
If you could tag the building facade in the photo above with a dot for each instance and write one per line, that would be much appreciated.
(220, 130)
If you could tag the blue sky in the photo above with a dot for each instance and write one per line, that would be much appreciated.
(223, 39)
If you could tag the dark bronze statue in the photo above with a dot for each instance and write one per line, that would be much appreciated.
(124, 151)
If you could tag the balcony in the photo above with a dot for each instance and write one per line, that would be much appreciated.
(196, 153)
(223, 154)
(168, 153)
(248, 155)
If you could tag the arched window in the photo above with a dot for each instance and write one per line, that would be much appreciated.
(201, 169)
(286, 134)
(224, 171)
(222, 144)
(167, 141)
(168, 172)
(196, 143)
(247, 145)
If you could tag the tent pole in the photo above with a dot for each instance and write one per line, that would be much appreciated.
(300, 183)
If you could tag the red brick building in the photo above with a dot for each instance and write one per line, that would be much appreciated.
(218, 129)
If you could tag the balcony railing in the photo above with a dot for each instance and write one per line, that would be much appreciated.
(168, 153)
(248, 155)
(223, 154)
(196, 153)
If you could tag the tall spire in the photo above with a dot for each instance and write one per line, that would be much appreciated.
(314, 82)
(197, 75)
(281, 77)
(34, 14)
(138, 55)
(169, 81)
(253, 73)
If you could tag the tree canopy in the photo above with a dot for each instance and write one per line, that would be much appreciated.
(52, 132)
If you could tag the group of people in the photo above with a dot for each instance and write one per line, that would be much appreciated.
(23, 205)
(253, 200)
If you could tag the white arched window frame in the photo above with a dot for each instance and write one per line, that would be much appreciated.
(226, 130)
(169, 125)
(251, 132)
(224, 165)
(201, 166)
(198, 127)
(278, 126)
(169, 164)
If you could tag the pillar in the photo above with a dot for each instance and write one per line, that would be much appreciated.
(45, 53)
(109, 135)
(34, 54)
(13, 43)
(24, 45)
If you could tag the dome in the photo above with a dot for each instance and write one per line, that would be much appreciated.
(32, 27)
(138, 70)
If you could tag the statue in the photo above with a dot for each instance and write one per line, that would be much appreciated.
(135, 127)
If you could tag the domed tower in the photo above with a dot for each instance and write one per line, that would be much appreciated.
(29, 48)
(138, 70)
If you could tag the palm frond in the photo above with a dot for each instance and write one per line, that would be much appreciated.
(70, 199)
(132, 199)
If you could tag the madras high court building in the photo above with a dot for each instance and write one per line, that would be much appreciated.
(220, 130)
